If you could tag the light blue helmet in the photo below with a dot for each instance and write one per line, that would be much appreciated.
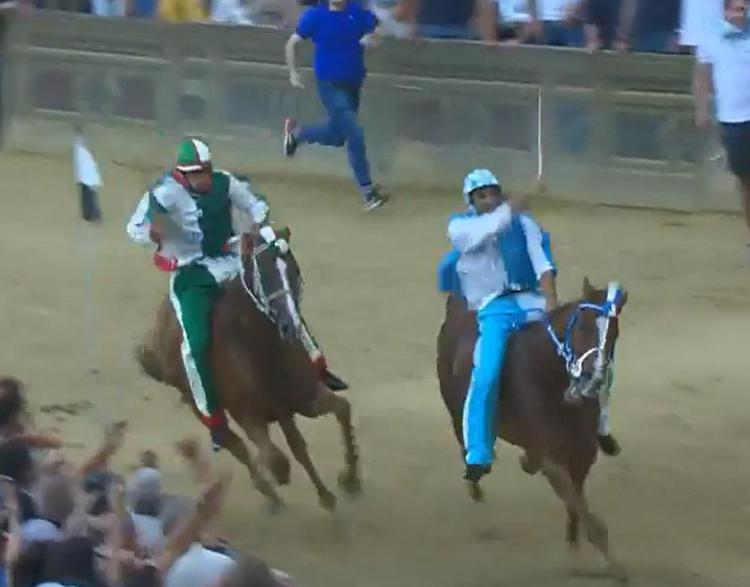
(479, 178)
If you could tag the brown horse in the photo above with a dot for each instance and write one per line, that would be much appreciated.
(263, 373)
(548, 407)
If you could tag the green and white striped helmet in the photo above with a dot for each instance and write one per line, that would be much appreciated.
(193, 155)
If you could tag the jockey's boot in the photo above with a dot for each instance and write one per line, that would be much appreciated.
(475, 472)
(333, 382)
(609, 445)
(218, 428)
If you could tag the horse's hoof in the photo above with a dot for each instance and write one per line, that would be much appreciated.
(597, 533)
(528, 465)
(475, 491)
(327, 500)
(609, 445)
(275, 505)
(281, 469)
(350, 483)
(618, 572)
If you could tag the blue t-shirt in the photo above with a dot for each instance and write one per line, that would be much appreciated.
(339, 58)
(144, 8)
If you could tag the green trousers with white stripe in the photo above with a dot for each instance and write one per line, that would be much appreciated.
(193, 292)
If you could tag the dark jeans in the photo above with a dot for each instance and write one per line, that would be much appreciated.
(562, 34)
(654, 42)
(342, 128)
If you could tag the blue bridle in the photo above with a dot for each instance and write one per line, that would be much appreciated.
(609, 310)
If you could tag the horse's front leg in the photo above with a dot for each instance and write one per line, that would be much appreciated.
(298, 446)
(270, 454)
(328, 402)
(575, 502)
(238, 449)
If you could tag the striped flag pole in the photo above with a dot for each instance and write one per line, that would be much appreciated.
(87, 177)
(88, 180)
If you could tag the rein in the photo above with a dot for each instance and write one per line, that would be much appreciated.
(256, 293)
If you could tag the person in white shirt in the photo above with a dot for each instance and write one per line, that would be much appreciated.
(230, 12)
(514, 19)
(723, 66)
(558, 22)
(109, 8)
(144, 500)
(198, 566)
(391, 16)
(697, 18)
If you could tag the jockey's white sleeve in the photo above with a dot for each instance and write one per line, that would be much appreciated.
(138, 225)
(243, 197)
(468, 233)
(534, 239)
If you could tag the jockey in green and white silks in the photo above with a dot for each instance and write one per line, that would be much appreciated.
(188, 214)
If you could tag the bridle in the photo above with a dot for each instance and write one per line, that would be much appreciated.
(606, 313)
(258, 295)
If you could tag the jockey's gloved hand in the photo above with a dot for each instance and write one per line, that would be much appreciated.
(154, 235)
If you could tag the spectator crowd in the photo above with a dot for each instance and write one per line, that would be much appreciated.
(82, 524)
(638, 25)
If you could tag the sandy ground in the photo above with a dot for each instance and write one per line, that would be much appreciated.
(76, 297)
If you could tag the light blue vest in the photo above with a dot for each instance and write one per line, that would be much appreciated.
(512, 244)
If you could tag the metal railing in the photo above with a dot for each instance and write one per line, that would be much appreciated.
(606, 128)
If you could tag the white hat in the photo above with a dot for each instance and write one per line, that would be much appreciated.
(477, 179)
(193, 155)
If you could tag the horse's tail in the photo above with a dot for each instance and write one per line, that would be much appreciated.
(149, 362)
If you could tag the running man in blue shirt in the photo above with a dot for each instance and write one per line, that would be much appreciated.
(340, 31)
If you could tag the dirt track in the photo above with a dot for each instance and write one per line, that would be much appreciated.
(676, 500)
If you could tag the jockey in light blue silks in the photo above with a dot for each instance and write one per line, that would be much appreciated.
(507, 278)
(502, 265)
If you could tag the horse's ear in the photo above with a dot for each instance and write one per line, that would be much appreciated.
(283, 232)
(587, 288)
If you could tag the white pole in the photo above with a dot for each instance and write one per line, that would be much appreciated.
(539, 145)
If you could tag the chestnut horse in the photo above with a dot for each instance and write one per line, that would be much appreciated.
(554, 370)
(263, 373)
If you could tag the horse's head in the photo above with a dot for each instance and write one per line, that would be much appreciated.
(271, 276)
(588, 342)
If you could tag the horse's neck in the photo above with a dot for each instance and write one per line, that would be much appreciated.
(560, 316)
(242, 304)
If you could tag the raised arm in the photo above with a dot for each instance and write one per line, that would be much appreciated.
(112, 442)
(702, 90)
(486, 18)
(468, 233)
(290, 54)
(247, 201)
(209, 506)
(543, 267)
